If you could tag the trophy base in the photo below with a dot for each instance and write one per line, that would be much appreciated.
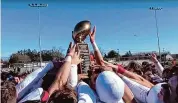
(83, 67)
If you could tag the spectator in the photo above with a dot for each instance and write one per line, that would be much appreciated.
(8, 92)
(174, 62)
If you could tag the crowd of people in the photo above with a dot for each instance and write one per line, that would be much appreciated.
(59, 82)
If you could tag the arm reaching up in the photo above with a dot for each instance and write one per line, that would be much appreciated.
(129, 74)
(158, 66)
(63, 73)
(97, 53)
(73, 76)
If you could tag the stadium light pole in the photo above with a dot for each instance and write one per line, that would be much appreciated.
(118, 54)
(35, 5)
(155, 9)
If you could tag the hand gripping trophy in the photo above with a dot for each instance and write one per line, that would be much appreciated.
(81, 31)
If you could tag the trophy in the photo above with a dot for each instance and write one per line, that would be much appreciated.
(81, 30)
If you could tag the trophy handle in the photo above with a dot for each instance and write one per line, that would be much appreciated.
(73, 37)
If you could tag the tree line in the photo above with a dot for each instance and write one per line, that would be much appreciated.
(128, 55)
(28, 55)
(115, 54)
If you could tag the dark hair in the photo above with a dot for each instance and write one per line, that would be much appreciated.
(139, 72)
(147, 67)
(166, 75)
(133, 65)
(8, 92)
(174, 70)
(167, 93)
(66, 95)
(4, 75)
(144, 63)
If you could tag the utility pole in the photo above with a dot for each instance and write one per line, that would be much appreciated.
(155, 10)
(39, 23)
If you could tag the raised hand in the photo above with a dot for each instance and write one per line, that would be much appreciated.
(71, 49)
(92, 35)
(76, 58)
(154, 58)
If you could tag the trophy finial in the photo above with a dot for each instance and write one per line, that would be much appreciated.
(81, 30)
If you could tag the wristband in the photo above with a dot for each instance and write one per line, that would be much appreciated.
(44, 97)
(121, 69)
(95, 47)
(68, 59)
(73, 66)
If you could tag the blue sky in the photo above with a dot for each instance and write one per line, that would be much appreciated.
(116, 23)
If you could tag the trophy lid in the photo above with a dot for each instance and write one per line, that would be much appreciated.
(81, 30)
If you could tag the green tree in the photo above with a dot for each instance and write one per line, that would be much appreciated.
(128, 54)
(13, 58)
(112, 54)
(18, 58)
(32, 55)
(105, 56)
